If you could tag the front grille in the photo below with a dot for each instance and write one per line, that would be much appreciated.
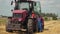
(16, 22)
(14, 25)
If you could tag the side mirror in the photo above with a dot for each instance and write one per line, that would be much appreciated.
(11, 2)
(11, 10)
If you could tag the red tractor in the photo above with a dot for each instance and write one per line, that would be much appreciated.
(22, 17)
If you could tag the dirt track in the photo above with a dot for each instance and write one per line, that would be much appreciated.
(51, 27)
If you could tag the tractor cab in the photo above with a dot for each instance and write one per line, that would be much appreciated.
(25, 5)
(22, 9)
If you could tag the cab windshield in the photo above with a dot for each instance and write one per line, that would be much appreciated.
(24, 5)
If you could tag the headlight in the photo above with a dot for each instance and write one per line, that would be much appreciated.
(19, 19)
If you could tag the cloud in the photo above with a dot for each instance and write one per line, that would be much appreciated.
(50, 6)
(46, 2)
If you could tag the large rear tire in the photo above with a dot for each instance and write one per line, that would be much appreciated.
(30, 26)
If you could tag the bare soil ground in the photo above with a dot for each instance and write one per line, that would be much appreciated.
(51, 27)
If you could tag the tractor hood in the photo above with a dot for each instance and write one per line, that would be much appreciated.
(19, 11)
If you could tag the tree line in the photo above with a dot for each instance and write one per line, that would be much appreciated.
(53, 15)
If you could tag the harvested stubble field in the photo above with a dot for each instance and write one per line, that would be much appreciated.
(51, 27)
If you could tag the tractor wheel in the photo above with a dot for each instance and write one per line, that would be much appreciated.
(7, 26)
(30, 26)
(7, 30)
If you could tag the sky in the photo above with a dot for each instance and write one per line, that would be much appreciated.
(47, 6)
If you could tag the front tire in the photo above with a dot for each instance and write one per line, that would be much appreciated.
(30, 26)
(7, 30)
(7, 26)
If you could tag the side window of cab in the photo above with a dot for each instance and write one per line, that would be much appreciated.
(37, 8)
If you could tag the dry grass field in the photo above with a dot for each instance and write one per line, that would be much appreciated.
(51, 27)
